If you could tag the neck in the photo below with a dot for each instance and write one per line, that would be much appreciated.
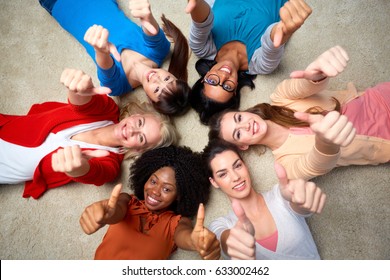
(252, 204)
(236, 53)
(276, 135)
(104, 136)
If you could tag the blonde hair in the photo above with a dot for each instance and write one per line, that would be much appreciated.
(169, 134)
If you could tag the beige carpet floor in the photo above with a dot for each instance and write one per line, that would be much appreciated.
(34, 50)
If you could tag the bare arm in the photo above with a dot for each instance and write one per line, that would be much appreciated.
(198, 9)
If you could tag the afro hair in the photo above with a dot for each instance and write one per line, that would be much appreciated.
(193, 186)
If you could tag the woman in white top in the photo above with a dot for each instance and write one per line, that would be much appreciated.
(269, 225)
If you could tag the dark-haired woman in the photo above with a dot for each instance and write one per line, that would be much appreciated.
(127, 55)
(267, 225)
(311, 130)
(169, 185)
(237, 40)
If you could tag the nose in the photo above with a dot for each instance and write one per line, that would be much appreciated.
(245, 125)
(156, 190)
(132, 130)
(236, 176)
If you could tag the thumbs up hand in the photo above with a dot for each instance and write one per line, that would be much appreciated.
(205, 241)
(241, 243)
(304, 197)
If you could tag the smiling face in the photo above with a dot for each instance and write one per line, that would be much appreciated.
(243, 128)
(231, 175)
(138, 131)
(160, 190)
(226, 74)
(155, 80)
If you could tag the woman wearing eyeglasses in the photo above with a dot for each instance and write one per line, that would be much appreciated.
(236, 40)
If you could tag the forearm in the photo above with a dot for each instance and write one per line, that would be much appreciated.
(326, 147)
(183, 235)
(103, 60)
(223, 239)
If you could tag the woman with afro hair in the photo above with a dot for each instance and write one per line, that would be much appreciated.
(170, 185)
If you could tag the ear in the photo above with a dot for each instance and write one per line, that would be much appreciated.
(212, 181)
(243, 147)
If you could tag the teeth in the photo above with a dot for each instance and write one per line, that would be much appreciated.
(152, 200)
(150, 75)
(239, 185)
(225, 69)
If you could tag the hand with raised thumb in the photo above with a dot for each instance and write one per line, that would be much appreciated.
(97, 214)
(204, 240)
(329, 64)
(333, 128)
(241, 243)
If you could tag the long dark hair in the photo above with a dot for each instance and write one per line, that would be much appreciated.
(206, 107)
(174, 100)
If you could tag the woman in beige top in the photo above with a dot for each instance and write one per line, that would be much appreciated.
(311, 130)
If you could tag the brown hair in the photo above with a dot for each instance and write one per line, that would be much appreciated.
(278, 114)
(174, 100)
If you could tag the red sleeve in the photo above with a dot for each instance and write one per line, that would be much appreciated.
(102, 170)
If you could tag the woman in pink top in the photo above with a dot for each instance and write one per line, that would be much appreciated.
(311, 130)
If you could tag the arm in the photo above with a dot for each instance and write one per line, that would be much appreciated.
(108, 211)
(304, 197)
(141, 9)
(314, 78)
(197, 238)
(293, 14)
(200, 38)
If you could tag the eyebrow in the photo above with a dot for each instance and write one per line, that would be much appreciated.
(224, 169)
(165, 183)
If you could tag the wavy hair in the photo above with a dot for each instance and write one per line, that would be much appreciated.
(169, 134)
(193, 186)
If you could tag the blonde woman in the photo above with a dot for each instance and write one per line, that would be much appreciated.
(82, 141)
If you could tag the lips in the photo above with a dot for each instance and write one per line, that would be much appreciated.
(226, 69)
(240, 187)
(150, 75)
(152, 201)
(124, 132)
(255, 128)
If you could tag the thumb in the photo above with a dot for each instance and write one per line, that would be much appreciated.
(243, 220)
(309, 118)
(148, 26)
(281, 174)
(278, 35)
(298, 74)
(190, 6)
(113, 200)
(114, 52)
(199, 218)
(100, 90)
(95, 153)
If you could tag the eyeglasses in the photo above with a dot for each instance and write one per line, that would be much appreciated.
(213, 80)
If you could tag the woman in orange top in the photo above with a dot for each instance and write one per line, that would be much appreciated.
(169, 184)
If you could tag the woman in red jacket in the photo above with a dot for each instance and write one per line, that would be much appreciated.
(83, 141)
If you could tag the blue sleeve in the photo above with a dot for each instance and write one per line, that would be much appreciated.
(157, 47)
(114, 78)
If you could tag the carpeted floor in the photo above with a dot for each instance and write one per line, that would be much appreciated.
(355, 223)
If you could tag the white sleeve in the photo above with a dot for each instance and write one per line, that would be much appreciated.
(219, 225)
(266, 58)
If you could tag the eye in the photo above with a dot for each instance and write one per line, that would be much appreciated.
(239, 118)
(165, 189)
(156, 90)
(227, 87)
(167, 78)
(238, 135)
(141, 139)
(238, 165)
(153, 182)
(139, 122)
(221, 174)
